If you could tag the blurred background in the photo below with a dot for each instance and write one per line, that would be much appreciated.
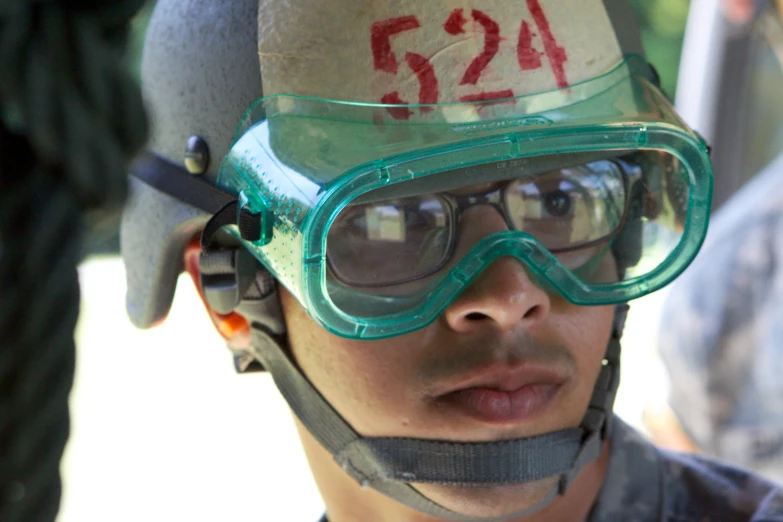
(162, 427)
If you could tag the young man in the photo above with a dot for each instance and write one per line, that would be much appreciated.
(426, 232)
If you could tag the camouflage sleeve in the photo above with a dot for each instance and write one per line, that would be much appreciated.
(720, 337)
(690, 326)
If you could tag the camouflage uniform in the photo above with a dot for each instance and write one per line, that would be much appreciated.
(721, 332)
(646, 484)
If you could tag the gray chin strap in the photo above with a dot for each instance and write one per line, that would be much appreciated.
(390, 465)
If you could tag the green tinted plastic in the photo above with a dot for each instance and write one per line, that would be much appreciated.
(613, 219)
(302, 160)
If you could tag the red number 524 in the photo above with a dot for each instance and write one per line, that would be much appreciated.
(528, 57)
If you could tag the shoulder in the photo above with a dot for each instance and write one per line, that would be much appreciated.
(646, 484)
(696, 486)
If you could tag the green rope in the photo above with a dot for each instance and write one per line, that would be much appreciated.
(71, 119)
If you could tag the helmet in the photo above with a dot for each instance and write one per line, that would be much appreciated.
(261, 178)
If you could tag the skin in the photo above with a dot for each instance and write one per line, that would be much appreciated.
(738, 11)
(391, 387)
(741, 11)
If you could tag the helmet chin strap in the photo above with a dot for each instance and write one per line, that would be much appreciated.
(390, 465)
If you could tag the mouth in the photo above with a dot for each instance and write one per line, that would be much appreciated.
(504, 395)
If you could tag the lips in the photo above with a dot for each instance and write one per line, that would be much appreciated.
(503, 395)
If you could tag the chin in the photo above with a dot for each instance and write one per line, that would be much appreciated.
(491, 501)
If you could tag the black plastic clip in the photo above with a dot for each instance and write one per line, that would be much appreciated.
(256, 227)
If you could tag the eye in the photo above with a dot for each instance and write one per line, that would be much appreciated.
(415, 219)
(355, 220)
(557, 203)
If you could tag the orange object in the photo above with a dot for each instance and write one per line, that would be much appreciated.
(233, 327)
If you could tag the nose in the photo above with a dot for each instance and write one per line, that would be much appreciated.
(503, 296)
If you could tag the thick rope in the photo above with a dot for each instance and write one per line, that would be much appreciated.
(71, 119)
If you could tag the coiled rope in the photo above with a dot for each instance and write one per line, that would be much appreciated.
(72, 117)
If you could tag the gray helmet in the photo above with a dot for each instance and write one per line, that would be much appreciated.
(197, 85)
(200, 73)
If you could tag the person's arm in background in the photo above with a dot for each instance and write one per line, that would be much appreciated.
(721, 338)
(689, 334)
(716, 325)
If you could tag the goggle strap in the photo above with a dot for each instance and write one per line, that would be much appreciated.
(176, 181)
(475, 464)
(227, 276)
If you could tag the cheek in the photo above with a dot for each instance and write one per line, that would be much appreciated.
(586, 330)
(367, 382)
(373, 384)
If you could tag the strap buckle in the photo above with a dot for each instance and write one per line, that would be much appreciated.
(226, 276)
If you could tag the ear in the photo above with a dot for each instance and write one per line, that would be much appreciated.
(232, 327)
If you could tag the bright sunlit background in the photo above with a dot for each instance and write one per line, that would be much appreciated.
(164, 430)
(162, 427)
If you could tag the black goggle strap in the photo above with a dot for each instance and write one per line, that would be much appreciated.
(389, 465)
(177, 182)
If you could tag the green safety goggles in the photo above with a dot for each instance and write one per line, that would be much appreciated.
(376, 224)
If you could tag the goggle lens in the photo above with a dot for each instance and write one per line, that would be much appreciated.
(395, 241)
(604, 220)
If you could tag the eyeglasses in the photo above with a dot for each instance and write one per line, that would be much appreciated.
(404, 239)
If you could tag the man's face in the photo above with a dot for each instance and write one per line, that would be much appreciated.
(505, 360)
